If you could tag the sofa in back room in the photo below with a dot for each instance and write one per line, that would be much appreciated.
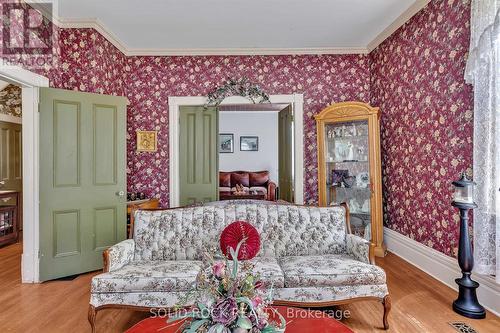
(250, 180)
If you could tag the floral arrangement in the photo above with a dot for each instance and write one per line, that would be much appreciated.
(241, 87)
(231, 298)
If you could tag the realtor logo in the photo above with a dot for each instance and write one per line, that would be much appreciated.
(25, 29)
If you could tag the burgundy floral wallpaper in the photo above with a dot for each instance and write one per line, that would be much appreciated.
(90, 63)
(418, 82)
(415, 76)
(150, 80)
(10, 101)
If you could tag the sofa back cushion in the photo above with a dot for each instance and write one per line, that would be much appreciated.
(259, 178)
(240, 178)
(224, 179)
(286, 230)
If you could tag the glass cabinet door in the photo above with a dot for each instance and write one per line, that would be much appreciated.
(348, 171)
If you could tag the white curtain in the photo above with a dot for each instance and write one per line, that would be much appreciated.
(483, 72)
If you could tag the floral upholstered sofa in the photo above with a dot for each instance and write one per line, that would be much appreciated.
(306, 255)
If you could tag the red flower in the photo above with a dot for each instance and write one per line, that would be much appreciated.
(236, 232)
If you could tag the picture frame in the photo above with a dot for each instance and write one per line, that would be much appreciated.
(147, 141)
(226, 143)
(249, 143)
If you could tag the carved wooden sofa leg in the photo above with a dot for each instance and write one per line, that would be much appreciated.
(92, 316)
(387, 307)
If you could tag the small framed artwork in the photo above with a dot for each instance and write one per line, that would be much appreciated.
(249, 143)
(147, 141)
(226, 143)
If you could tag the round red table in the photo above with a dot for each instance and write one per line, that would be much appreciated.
(298, 321)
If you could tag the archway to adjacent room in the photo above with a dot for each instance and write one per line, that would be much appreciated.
(175, 103)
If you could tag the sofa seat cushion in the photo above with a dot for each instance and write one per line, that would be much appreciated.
(259, 188)
(149, 276)
(329, 271)
(269, 271)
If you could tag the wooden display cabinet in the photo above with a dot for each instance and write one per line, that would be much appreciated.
(349, 166)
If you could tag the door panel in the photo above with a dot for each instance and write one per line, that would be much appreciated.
(66, 134)
(104, 227)
(105, 168)
(11, 163)
(285, 146)
(82, 171)
(198, 155)
(5, 134)
(66, 233)
(18, 153)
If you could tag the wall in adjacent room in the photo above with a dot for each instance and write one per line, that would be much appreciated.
(262, 124)
(418, 83)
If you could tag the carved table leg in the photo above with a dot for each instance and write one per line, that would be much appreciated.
(92, 316)
(387, 307)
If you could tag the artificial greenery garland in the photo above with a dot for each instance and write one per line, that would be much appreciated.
(241, 87)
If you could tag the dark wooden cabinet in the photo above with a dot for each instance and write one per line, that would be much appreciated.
(9, 217)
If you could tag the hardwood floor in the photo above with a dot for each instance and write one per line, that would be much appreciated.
(419, 303)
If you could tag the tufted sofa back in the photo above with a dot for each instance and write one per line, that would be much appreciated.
(286, 230)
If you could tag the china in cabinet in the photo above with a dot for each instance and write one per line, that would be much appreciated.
(349, 166)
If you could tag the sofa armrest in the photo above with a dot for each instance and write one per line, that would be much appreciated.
(271, 191)
(360, 249)
(118, 255)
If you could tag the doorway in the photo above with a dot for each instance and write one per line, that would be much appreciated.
(256, 152)
(10, 164)
(29, 83)
(296, 104)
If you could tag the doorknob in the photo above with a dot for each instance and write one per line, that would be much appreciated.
(120, 193)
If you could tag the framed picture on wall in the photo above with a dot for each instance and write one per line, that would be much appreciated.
(146, 141)
(249, 143)
(226, 143)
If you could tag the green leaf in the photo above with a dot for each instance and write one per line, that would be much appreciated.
(219, 328)
(203, 310)
(181, 316)
(195, 325)
(268, 329)
(244, 322)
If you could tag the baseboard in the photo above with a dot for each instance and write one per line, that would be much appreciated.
(441, 267)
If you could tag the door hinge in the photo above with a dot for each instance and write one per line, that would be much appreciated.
(39, 254)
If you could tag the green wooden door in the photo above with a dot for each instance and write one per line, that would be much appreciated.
(11, 169)
(198, 177)
(285, 152)
(82, 180)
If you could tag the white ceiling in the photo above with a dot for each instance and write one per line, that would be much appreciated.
(238, 24)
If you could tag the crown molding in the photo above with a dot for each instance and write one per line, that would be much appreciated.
(246, 51)
(398, 23)
(92, 23)
(96, 24)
